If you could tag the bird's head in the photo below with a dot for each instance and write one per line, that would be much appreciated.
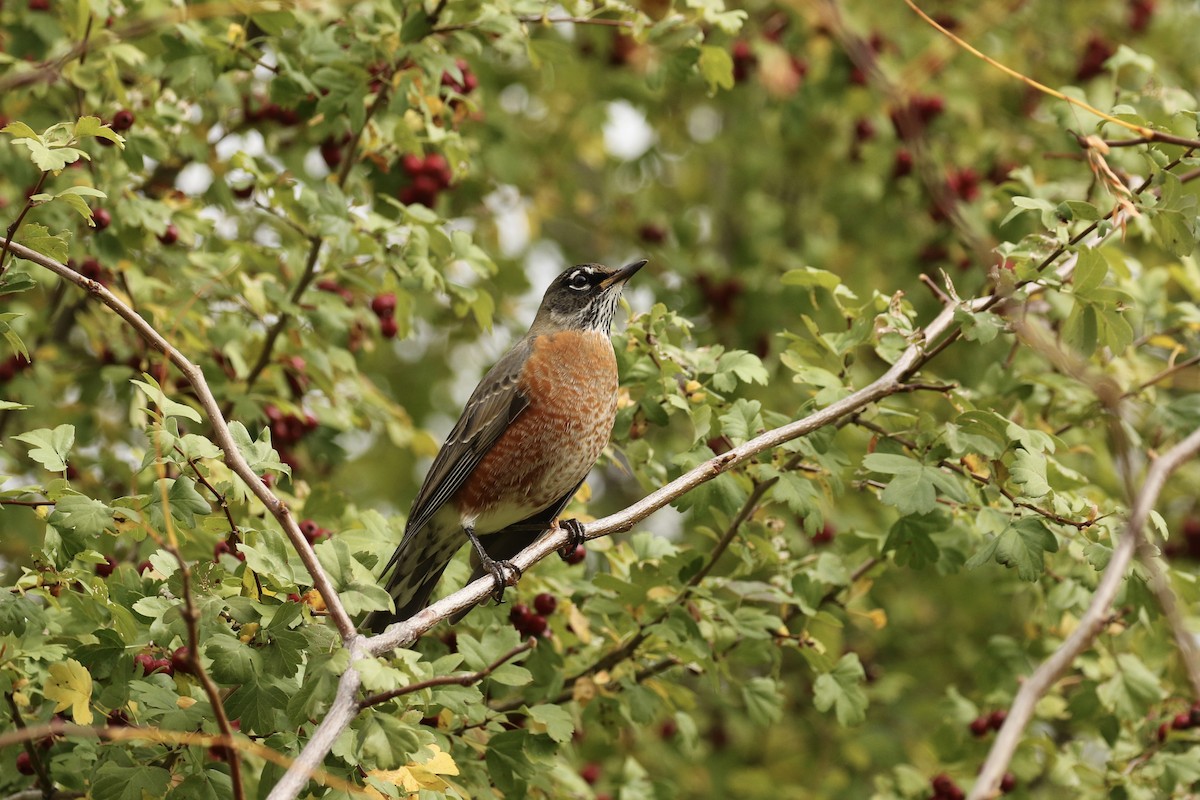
(583, 297)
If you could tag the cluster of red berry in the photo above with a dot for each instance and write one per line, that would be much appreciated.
(428, 177)
(1183, 721)
(156, 660)
(312, 531)
(384, 306)
(532, 622)
(287, 430)
(985, 723)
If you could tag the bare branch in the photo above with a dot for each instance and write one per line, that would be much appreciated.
(465, 679)
(224, 439)
(1090, 624)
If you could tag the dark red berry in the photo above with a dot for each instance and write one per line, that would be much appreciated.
(294, 598)
(980, 727)
(122, 120)
(117, 718)
(1140, 12)
(945, 787)
(39, 5)
(825, 535)
(652, 233)
(181, 660)
(24, 761)
(1008, 782)
(519, 614)
(668, 729)
(388, 328)
(1095, 53)
(590, 773)
(145, 661)
(412, 164)
(1181, 722)
(101, 218)
(996, 718)
(169, 236)
(331, 151)
(107, 568)
(903, 164)
(545, 604)
(578, 556)
(535, 625)
(744, 60)
(1161, 733)
(384, 305)
(223, 547)
(164, 666)
(864, 130)
(144, 567)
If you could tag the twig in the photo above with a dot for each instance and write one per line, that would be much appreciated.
(35, 758)
(544, 20)
(12, 229)
(1166, 373)
(1090, 624)
(224, 439)
(1185, 640)
(449, 680)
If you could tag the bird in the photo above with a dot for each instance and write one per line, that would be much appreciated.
(527, 438)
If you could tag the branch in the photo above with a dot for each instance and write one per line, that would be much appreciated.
(224, 439)
(1185, 640)
(449, 680)
(1090, 624)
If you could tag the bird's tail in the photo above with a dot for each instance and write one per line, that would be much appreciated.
(416, 567)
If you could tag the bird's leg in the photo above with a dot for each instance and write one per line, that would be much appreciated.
(575, 537)
(498, 569)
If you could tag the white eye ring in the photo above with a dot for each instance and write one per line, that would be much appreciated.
(579, 281)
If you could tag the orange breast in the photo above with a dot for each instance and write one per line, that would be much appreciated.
(571, 383)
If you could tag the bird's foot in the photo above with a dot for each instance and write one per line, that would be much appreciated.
(575, 537)
(504, 574)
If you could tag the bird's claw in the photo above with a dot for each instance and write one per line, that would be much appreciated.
(575, 537)
(504, 574)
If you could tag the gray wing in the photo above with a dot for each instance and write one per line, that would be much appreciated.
(494, 404)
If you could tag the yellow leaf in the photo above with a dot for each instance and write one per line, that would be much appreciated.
(70, 686)
(579, 624)
(416, 776)
(878, 618)
(185, 702)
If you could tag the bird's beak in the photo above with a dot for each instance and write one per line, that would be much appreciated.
(623, 274)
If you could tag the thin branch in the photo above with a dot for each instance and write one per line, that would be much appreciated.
(1185, 640)
(12, 229)
(1090, 624)
(1148, 134)
(191, 620)
(224, 439)
(35, 758)
(1161, 376)
(545, 20)
(466, 679)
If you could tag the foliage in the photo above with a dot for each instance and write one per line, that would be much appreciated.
(340, 214)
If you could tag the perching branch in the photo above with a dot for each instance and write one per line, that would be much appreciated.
(1090, 624)
(224, 439)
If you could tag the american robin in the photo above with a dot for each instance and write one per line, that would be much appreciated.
(528, 437)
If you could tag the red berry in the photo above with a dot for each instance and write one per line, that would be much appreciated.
(744, 60)
(123, 120)
(545, 604)
(996, 718)
(1161, 733)
(107, 568)
(117, 718)
(388, 328)
(668, 729)
(652, 233)
(1095, 53)
(164, 666)
(1008, 782)
(412, 164)
(590, 773)
(864, 129)
(980, 726)
(310, 530)
(24, 761)
(1181, 722)
(945, 788)
(535, 625)
(903, 165)
(1140, 12)
(578, 556)
(145, 661)
(101, 218)
(825, 535)
(294, 598)
(169, 236)
(519, 614)
(384, 305)
(181, 660)
(144, 567)
(222, 547)
(331, 151)
(39, 5)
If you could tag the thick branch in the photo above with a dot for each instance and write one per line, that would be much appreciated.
(233, 457)
(1090, 624)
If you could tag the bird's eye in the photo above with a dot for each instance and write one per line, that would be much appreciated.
(579, 281)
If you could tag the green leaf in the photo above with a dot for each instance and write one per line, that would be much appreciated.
(259, 706)
(909, 538)
(746, 366)
(556, 720)
(169, 407)
(1022, 545)
(810, 277)
(92, 126)
(1028, 471)
(841, 690)
(21, 131)
(232, 661)
(716, 66)
(386, 741)
(38, 238)
(50, 447)
(764, 705)
(134, 782)
(1132, 690)
(81, 514)
(914, 488)
(1090, 271)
